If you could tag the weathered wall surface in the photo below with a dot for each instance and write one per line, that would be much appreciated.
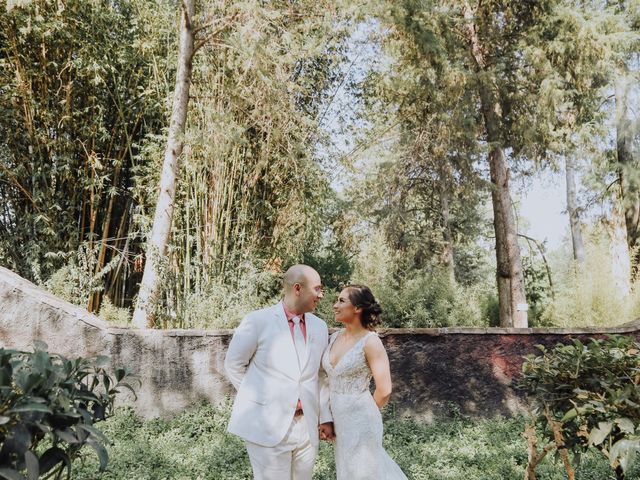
(435, 371)
(177, 368)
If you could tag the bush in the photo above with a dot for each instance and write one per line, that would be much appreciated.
(76, 281)
(222, 305)
(590, 295)
(195, 445)
(429, 299)
(118, 316)
(48, 408)
(587, 396)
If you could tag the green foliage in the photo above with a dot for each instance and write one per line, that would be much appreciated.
(81, 85)
(48, 408)
(76, 281)
(592, 391)
(539, 291)
(429, 299)
(222, 305)
(250, 190)
(591, 294)
(425, 297)
(192, 445)
(331, 251)
(195, 445)
(118, 316)
(546, 71)
(490, 309)
(85, 89)
(84, 93)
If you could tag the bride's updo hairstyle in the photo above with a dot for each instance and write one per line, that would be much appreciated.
(360, 296)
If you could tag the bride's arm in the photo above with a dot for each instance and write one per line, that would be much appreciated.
(379, 363)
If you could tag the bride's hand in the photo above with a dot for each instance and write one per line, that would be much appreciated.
(326, 431)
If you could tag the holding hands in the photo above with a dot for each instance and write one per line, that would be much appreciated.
(326, 431)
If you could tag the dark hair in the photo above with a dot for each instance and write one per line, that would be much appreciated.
(360, 296)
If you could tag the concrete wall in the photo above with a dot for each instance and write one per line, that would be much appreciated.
(435, 371)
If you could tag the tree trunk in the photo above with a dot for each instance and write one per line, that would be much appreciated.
(627, 164)
(510, 277)
(447, 250)
(143, 315)
(620, 258)
(572, 209)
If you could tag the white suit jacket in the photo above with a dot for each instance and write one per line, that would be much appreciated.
(262, 365)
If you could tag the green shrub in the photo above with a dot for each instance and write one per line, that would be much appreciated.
(538, 289)
(118, 316)
(48, 407)
(587, 396)
(222, 305)
(590, 295)
(324, 308)
(429, 299)
(195, 445)
(76, 280)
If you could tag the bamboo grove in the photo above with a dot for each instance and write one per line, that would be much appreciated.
(462, 98)
(85, 88)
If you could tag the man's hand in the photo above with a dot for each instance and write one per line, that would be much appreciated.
(326, 431)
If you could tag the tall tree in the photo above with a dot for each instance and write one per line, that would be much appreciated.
(143, 315)
(510, 277)
(628, 160)
(250, 191)
(163, 218)
(587, 48)
(485, 46)
(573, 210)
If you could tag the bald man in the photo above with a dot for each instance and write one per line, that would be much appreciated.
(281, 407)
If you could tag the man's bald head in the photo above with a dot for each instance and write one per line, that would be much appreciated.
(302, 288)
(298, 274)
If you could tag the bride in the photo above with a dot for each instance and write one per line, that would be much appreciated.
(354, 355)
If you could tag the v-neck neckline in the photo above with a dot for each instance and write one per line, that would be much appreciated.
(333, 367)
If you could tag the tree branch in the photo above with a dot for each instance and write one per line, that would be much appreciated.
(213, 34)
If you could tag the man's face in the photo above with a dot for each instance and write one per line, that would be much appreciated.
(309, 292)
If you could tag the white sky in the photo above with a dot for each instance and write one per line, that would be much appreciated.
(542, 208)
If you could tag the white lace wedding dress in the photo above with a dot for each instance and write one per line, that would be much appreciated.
(357, 420)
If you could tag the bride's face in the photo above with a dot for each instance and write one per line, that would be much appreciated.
(344, 310)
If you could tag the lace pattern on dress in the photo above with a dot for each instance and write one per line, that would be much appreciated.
(352, 374)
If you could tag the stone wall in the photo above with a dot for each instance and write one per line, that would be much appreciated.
(435, 371)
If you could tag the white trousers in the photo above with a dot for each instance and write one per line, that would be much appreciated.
(291, 459)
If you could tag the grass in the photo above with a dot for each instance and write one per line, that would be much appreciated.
(195, 446)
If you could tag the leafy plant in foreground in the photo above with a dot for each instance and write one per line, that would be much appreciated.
(48, 407)
(586, 396)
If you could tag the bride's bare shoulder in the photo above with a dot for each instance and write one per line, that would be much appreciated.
(373, 344)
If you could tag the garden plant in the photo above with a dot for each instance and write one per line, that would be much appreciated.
(48, 409)
(585, 396)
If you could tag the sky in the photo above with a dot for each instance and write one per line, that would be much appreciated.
(542, 209)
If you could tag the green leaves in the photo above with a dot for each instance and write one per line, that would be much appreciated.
(45, 396)
(591, 390)
(598, 434)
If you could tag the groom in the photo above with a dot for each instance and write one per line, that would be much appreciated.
(273, 361)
